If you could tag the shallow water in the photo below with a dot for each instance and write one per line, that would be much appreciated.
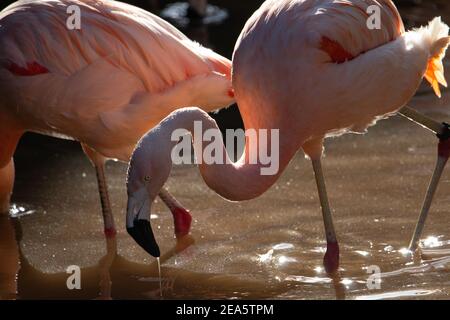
(270, 247)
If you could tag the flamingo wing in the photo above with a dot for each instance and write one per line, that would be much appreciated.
(345, 30)
(345, 75)
(116, 77)
(338, 27)
(34, 35)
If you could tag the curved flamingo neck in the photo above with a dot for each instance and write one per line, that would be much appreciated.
(240, 180)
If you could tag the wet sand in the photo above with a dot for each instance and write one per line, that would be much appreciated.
(270, 247)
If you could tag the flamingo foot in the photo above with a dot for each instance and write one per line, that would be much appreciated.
(331, 258)
(110, 232)
(182, 220)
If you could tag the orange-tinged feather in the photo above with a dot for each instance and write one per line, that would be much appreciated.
(435, 74)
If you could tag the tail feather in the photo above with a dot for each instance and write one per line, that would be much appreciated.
(437, 33)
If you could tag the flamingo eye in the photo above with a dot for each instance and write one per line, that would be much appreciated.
(147, 178)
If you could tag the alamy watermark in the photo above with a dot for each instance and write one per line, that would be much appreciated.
(73, 22)
(74, 280)
(374, 20)
(214, 152)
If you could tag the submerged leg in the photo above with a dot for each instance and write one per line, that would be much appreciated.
(181, 217)
(442, 131)
(331, 259)
(99, 163)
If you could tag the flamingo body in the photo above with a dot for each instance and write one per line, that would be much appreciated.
(343, 76)
(107, 83)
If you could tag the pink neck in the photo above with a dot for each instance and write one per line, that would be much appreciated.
(239, 180)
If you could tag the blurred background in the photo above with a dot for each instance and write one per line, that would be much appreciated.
(275, 254)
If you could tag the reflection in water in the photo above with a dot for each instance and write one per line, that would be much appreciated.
(398, 295)
(116, 277)
(129, 279)
(158, 261)
(287, 263)
(9, 258)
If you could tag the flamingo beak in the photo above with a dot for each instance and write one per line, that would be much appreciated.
(138, 223)
(142, 233)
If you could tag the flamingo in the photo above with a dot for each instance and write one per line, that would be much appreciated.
(312, 69)
(104, 84)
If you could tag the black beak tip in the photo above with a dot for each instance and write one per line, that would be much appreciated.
(142, 233)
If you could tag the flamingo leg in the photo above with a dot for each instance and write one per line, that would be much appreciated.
(108, 218)
(424, 121)
(6, 185)
(443, 155)
(314, 149)
(181, 217)
(105, 264)
(331, 258)
(442, 131)
(99, 164)
(9, 251)
(8, 142)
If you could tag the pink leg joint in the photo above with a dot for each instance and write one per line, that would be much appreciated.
(110, 232)
(182, 221)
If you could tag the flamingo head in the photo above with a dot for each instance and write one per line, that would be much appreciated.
(143, 185)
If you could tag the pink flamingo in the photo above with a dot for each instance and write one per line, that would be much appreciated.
(104, 84)
(312, 69)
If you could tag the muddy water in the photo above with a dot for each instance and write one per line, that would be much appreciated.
(270, 247)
